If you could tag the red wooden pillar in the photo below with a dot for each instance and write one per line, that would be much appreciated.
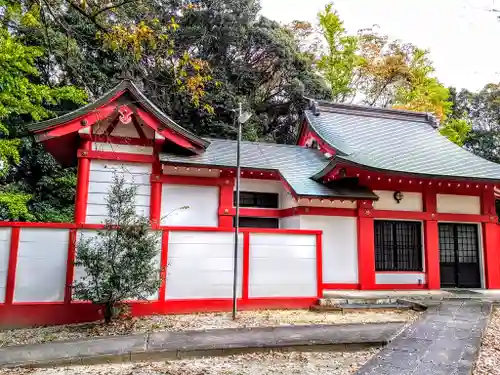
(82, 183)
(431, 241)
(226, 194)
(366, 246)
(490, 240)
(156, 187)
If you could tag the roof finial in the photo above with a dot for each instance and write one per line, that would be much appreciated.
(128, 75)
(432, 119)
(315, 108)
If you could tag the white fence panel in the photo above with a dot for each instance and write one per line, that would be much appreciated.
(282, 265)
(41, 265)
(200, 265)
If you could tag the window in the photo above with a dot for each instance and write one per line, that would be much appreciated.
(398, 246)
(260, 200)
(258, 222)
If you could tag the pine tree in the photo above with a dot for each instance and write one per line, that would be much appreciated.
(120, 262)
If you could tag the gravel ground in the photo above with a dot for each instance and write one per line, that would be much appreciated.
(194, 322)
(489, 356)
(275, 363)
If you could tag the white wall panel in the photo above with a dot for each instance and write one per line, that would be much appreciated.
(129, 149)
(292, 222)
(410, 201)
(41, 265)
(200, 265)
(100, 180)
(458, 204)
(340, 246)
(202, 203)
(282, 265)
(4, 260)
(400, 278)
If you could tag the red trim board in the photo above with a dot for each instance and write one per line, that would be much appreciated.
(11, 271)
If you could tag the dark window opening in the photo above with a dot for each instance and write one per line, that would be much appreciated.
(260, 200)
(258, 222)
(398, 246)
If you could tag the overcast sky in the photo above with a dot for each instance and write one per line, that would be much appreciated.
(462, 35)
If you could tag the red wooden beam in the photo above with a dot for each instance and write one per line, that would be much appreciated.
(116, 156)
(122, 140)
(246, 267)
(70, 266)
(11, 270)
(82, 183)
(319, 265)
(163, 266)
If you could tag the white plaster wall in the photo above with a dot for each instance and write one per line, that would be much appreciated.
(100, 180)
(41, 265)
(399, 278)
(410, 201)
(282, 265)
(202, 203)
(292, 222)
(340, 246)
(458, 204)
(4, 260)
(86, 234)
(129, 149)
(200, 265)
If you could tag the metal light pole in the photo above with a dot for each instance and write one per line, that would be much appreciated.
(242, 118)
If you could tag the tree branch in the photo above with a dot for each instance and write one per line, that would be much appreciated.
(112, 6)
(86, 15)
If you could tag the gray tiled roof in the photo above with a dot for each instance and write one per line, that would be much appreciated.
(296, 164)
(396, 141)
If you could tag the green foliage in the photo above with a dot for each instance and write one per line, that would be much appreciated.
(456, 130)
(482, 110)
(119, 263)
(338, 64)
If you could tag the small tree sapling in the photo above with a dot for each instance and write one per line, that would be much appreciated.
(120, 263)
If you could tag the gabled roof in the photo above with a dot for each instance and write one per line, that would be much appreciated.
(295, 164)
(125, 86)
(394, 140)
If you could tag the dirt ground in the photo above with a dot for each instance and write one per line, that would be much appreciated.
(194, 322)
(489, 356)
(274, 363)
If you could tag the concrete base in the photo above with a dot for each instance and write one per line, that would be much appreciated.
(487, 294)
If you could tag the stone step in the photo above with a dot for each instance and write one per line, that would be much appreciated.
(351, 307)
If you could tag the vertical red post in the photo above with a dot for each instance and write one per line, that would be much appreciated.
(490, 240)
(163, 266)
(11, 272)
(70, 265)
(226, 194)
(82, 183)
(246, 267)
(319, 265)
(431, 240)
(156, 187)
(366, 246)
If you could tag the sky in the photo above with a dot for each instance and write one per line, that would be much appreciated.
(461, 35)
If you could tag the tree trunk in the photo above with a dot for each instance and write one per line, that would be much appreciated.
(108, 312)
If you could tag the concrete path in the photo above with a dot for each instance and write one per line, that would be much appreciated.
(445, 341)
(171, 345)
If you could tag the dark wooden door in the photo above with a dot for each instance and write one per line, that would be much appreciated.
(459, 255)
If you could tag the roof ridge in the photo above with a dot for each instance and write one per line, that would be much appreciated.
(255, 142)
(317, 106)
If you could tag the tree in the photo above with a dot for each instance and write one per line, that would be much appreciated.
(482, 110)
(22, 99)
(337, 65)
(119, 263)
